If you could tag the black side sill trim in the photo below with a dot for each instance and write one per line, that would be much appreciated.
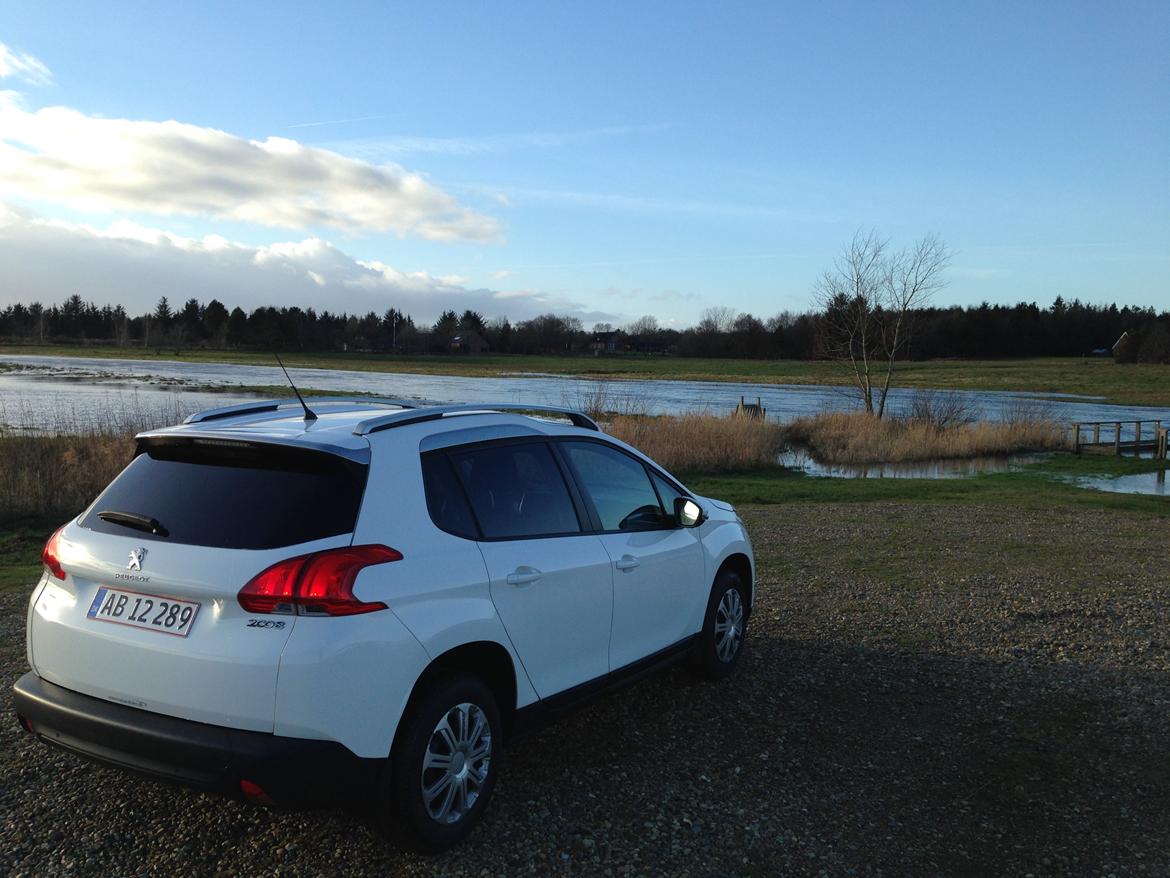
(553, 708)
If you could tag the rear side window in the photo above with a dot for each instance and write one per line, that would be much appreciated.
(446, 500)
(234, 496)
(516, 490)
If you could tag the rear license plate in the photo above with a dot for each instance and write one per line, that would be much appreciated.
(150, 611)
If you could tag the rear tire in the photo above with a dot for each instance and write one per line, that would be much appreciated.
(444, 763)
(722, 639)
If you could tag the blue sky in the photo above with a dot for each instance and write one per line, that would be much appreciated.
(606, 160)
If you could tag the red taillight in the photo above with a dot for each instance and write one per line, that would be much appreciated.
(50, 554)
(320, 584)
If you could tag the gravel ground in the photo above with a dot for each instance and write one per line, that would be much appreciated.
(928, 690)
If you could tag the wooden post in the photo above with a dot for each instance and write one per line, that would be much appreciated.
(1163, 440)
(1077, 440)
(1137, 438)
(1117, 439)
(1096, 434)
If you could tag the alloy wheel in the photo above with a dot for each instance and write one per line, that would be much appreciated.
(456, 763)
(728, 625)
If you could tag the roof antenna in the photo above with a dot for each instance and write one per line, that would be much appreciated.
(309, 415)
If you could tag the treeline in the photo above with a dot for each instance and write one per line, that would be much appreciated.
(984, 331)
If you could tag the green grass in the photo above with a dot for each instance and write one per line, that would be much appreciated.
(20, 553)
(1033, 486)
(1131, 384)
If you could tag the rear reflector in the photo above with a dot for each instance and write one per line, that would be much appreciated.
(254, 793)
(320, 584)
(25, 723)
(50, 555)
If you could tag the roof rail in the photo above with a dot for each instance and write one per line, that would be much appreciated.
(433, 413)
(271, 405)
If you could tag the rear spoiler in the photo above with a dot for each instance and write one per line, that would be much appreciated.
(210, 438)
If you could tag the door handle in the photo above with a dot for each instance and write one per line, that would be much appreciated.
(626, 562)
(523, 576)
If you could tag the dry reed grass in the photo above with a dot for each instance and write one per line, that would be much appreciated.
(858, 438)
(701, 442)
(57, 476)
(54, 465)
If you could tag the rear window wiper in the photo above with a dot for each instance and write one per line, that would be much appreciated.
(134, 520)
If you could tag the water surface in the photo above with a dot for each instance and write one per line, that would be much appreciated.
(38, 389)
(919, 469)
(1137, 483)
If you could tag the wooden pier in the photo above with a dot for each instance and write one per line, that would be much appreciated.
(1117, 437)
(750, 409)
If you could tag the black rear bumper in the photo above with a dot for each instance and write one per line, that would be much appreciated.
(291, 771)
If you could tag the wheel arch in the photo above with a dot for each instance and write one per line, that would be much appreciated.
(739, 564)
(486, 659)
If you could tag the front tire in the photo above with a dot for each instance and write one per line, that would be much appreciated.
(444, 762)
(724, 631)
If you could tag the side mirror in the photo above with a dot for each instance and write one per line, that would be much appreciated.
(687, 512)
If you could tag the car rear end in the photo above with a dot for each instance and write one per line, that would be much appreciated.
(156, 632)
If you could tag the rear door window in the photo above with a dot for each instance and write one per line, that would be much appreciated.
(516, 490)
(234, 496)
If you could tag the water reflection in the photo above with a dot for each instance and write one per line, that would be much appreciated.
(1138, 483)
(920, 469)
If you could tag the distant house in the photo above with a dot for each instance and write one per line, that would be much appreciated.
(468, 343)
(605, 342)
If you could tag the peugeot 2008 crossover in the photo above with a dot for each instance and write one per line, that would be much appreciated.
(289, 605)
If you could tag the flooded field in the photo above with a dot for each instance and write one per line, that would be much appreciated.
(78, 395)
(35, 390)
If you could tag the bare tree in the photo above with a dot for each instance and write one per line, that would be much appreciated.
(867, 300)
(914, 276)
(647, 324)
(716, 320)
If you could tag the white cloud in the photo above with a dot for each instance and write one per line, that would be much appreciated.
(502, 274)
(47, 260)
(20, 65)
(61, 155)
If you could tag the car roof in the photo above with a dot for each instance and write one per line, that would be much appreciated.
(342, 425)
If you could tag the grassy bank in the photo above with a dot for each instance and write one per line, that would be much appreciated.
(1035, 486)
(1131, 384)
(858, 438)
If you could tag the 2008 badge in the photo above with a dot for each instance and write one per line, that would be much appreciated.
(265, 623)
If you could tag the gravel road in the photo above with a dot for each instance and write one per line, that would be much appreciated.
(927, 690)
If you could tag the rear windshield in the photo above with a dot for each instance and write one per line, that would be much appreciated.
(233, 496)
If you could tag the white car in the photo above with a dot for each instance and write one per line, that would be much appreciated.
(366, 597)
